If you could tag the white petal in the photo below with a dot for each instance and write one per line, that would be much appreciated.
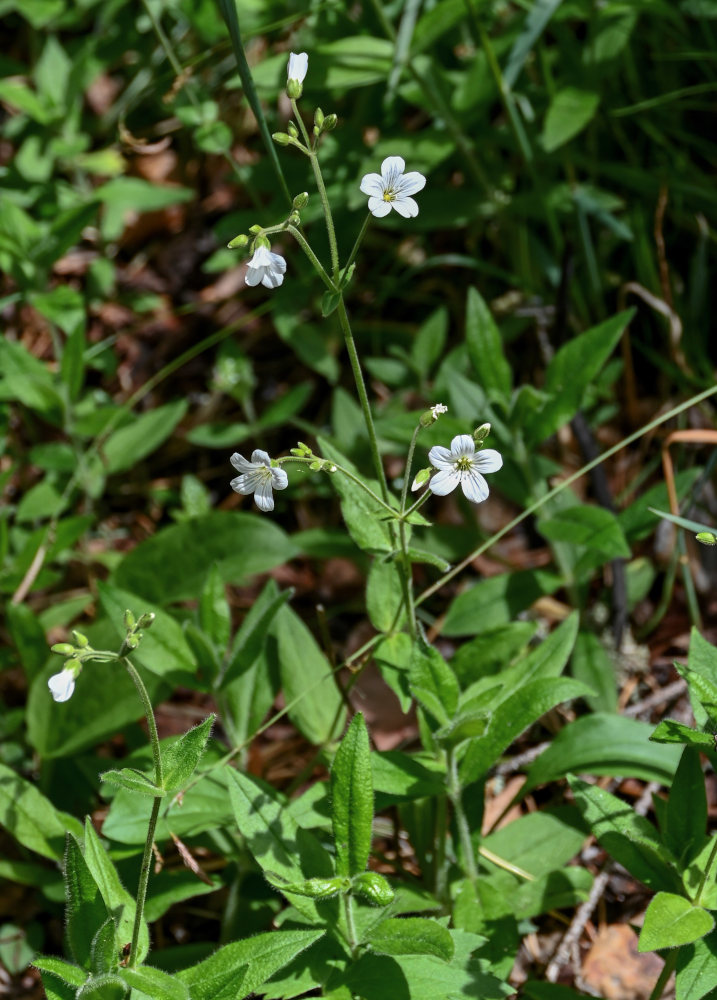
(263, 496)
(379, 207)
(392, 168)
(247, 483)
(474, 486)
(277, 262)
(444, 482)
(488, 460)
(279, 479)
(440, 457)
(259, 456)
(62, 685)
(406, 207)
(372, 184)
(240, 463)
(298, 65)
(272, 279)
(462, 445)
(415, 485)
(261, 258)
(412, 183)
(254, 275)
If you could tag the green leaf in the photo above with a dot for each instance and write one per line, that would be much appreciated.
(497, 600)
(164, 649)
(127, 446)
(117, 900)
(312, 697)
(671, 921)
(363, 516)
(604, 744)
(352, 799)
(629, 838)
(555, 891)
(520, 710)
(156, 984)
(432, 682)
(384, 594)
(573, 368)
(215, 617)
(594, 527)
(252, 636)
(242, 967)
(685, 826)
(411, 936)
(429, 341)
(134, 780)
(173, 564)
(592, 665)
(536, 21)
(400, 777)
(485, 348)
(122, 195)
(670, 731)
(181, 759)
(70, 974)
(86, 911)
(697, 969)
(31, 818)
(702, 690)
(105, 949)
(104, 987)
(570, 111)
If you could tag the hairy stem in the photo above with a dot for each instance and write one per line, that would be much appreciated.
(321, 187)
(464, 831)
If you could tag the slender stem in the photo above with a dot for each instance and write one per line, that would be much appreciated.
(349, 475)
(409, 462)
(350, 924)
(407, 572)
(419, 503)
(464, 831)
(357, 244)
(147, 855)
(318, 177)
(561, 486)
(316, 263)
(363, 395)
(440, 875)
(710, 861)
(667, 970)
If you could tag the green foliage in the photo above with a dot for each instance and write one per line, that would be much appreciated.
(352, 800)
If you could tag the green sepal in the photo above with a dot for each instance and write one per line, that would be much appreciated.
(352, 799)
(134, 780)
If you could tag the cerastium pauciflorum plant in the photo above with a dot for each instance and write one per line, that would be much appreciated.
(443, 918)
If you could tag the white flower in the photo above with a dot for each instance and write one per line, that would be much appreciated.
(392, 189)
(258, 477)
(464, 465)
(298, 65)
(265, 267)
(437, 409)
(62, 685)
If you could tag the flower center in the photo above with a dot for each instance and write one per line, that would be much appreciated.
(389, 194)
(463, 464)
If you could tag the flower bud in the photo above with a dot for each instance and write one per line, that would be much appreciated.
(81, 640)
(281, 138)
(292, 130)
(146, 620)
(129, 619)
(300, 201)
(422, 477)
(294, 89)
(238, 242)
(74, 664)
(131, 642)
(254, 230)
(374, 888)
(330, 122)
(262, 241)
(294, 219)
(63, 648)
(318, 118)
(480, 434)
(706, 537)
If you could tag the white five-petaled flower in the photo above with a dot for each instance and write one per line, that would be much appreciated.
(265, 267)
(298, 65)
(258, 477)
(392, 188)
(62, 685)
(464, 465)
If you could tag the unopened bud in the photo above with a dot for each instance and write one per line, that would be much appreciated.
(318, 117)
(706, 537)
(330, 122)
(80, 640)
(146, 620)
(131, 642)
(281, 138)
(294, 89)
(292, 130)
(238, 242)
(422, 477)
(374, 888)
(74, 664)
(294, 219)
(129, 620)
(254, 230)
(300, 201)
(63, 648)
(481, 433)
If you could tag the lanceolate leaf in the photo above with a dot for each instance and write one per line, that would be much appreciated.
(181, 759)
(352, 799)
(485, 347)
(85, 911)
(31, 818)
(155, 983)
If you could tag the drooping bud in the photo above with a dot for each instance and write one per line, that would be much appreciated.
(146, 620)
(374, 888)
(300, 201)
(63, 648)
(238, 242)
(422, 477)
(81, 640)
(281, 138)
(330, 122)
(255, 229)
(292, 130)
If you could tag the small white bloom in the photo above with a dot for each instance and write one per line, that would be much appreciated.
(298, 65)
(62, 685)
(265, 267)
(437, 409)
(258, 477)
(464, 465)
(392, 188)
